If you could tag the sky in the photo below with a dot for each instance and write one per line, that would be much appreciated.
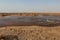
(29, 5)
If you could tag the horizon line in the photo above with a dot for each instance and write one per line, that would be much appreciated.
(29, 12)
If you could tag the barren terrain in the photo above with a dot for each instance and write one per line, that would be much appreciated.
(30, 32)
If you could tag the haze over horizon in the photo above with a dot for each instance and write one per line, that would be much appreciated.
(29, 5)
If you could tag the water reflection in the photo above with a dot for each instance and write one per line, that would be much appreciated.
(29, 20)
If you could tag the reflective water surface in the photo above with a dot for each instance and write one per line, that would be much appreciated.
(29, 20)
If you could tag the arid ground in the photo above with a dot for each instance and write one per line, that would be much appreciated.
(29, 32)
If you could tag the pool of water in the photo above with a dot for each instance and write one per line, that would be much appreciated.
(29, 20)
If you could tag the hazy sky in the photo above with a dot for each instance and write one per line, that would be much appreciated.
(29, 5)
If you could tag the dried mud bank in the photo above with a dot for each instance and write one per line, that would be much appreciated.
(30, 33)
